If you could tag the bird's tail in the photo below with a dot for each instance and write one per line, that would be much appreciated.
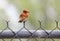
(20, 21)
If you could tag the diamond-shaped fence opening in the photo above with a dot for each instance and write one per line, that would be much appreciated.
(2, 24)
(7, 23)
(25, 34)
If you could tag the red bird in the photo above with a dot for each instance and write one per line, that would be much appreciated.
(23, 17)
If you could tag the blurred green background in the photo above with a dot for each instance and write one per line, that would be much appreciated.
(47, 11)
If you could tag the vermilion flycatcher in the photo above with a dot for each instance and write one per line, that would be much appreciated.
(23, 17)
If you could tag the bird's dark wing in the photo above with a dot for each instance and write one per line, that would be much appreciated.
(21, 16)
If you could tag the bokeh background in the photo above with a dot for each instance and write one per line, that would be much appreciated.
(47, 11)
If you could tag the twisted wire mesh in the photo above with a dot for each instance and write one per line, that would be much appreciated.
(30, 33)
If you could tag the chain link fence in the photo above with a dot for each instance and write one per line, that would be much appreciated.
(30, 35)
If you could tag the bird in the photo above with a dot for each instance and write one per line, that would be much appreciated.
(24, 16)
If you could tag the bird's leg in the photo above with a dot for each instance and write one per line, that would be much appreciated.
(24, 24)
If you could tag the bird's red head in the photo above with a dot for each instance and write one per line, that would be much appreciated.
(25, 11)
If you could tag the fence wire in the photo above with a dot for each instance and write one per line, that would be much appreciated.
(28, 34)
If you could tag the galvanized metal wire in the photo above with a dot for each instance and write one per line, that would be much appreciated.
(28, 34)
